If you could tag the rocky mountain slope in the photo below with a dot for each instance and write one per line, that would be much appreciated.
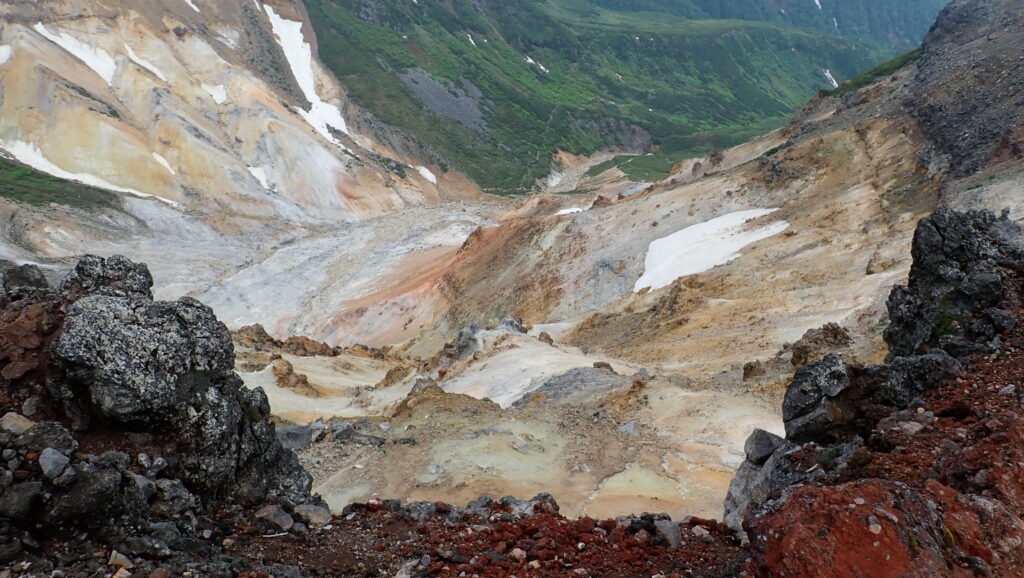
(606, 353)
(497, 88)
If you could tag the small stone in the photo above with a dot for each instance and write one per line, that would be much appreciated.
(123, 573)
(316, 516)
(517, 554)
(384, 426)
(16, 423)
(534, 565)
(276, 515)
(858, 501)
(53, 462)
(160, 573)
(1008, 390)
(631, 428)
(911, 427)
(700, 531)
(873, 526)
(120, 560)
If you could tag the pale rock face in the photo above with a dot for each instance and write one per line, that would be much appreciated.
(140, 99)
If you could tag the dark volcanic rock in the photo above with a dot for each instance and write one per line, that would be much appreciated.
(807, 409)
(23, 277)
(957, 273)
(967, 92)
(761, 445)
(166, 368)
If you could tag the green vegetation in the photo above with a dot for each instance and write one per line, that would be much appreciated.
(871, 76)
(455, 75)
(26, 185)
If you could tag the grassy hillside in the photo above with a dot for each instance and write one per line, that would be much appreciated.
(496, 87)
(900, 24)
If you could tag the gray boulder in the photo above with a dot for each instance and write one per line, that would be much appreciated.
(23, 277)
(117, 275)
(141, 360)
(760, 446)
(53, 462)
(807, 409)
(910, 376)
(295, 437)
(167, 368)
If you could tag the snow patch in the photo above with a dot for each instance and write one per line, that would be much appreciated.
(321, 115)
(192, 5)
(702, 247)
(5, 53)
(836, 23)
(831, 79)
(471, 41)
(537, 64)
(218, 92)
(261, 175)
(99, 60)
(144, 63)
(427, 174)
(569, 211)
(163, 162)
(818, 4)
(30, 154)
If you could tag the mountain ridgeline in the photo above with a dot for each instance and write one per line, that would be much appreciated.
(497, 87)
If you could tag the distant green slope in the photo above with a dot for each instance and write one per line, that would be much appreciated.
(900, 24)
(455, 74)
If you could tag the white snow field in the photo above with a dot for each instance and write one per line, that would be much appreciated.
(702, 247)
(321, 115)
(95, 58)
(144, 63)
(218, 92)
(427, 174)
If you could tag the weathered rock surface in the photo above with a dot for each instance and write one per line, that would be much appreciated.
(104, 366)
(957, 273)
(166, 367)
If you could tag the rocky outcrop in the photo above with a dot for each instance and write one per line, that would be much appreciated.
(847, 423)
(968, 99)
(140, 425)
(961, 261)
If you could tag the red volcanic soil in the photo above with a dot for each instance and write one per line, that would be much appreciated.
(945, 501)
(378, 542)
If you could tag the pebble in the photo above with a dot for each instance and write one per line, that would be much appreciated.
(911, 427)
(858, 501)
(1008, 390)
(873, 526)
(517, 554)
(120, 560)
(16, 423)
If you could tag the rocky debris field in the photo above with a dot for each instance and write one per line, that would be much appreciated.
(499, 538)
